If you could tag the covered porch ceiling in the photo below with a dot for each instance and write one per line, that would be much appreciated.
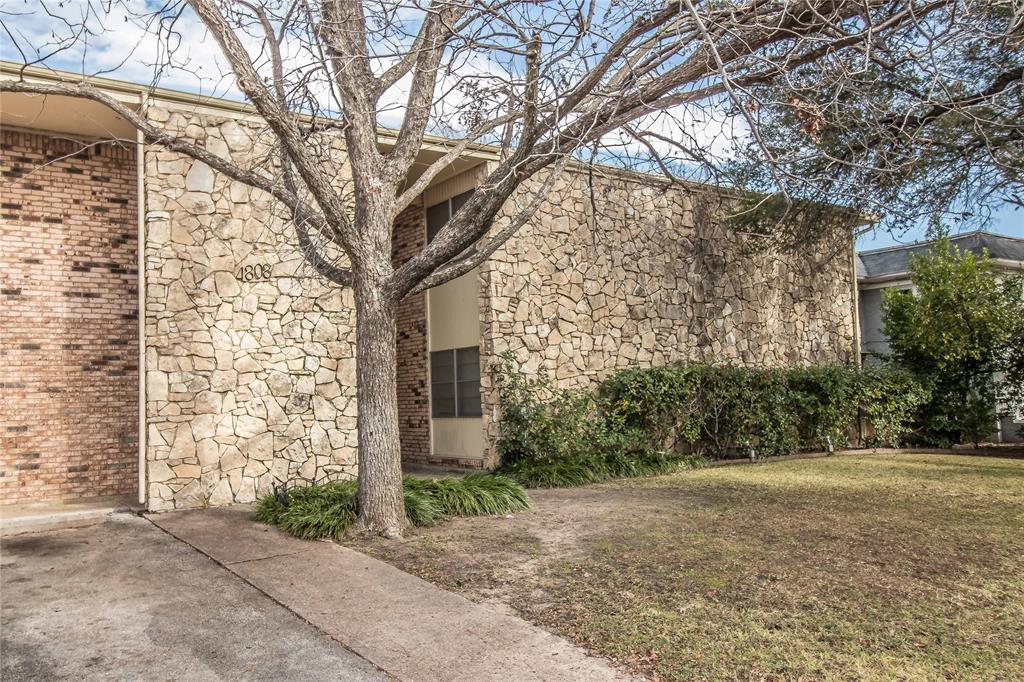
(71, 116)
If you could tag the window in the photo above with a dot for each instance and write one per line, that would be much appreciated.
(455, 382)
(440, 214)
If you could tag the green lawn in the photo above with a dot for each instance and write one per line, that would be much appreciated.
(866, 567)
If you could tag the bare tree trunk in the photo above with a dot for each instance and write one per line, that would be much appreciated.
(381, 500)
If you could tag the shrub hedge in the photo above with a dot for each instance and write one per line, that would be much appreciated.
(638, 422)
(698, 409)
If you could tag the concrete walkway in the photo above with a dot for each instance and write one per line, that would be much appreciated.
(36, 517)
(122, 600)
(404, 625)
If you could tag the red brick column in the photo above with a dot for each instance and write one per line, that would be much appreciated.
(413, 388)
(68, 307)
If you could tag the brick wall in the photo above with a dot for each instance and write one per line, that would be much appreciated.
(413, 389)
(68, 334)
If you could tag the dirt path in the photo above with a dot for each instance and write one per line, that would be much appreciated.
(489, 559)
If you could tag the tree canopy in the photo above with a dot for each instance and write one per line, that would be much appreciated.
(960, 331)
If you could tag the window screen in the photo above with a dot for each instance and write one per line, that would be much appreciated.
(455, 382)
(442, 383)
(439, 214)
(467, 382)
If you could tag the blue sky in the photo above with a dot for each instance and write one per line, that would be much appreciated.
(1006, 221)
(120, 48)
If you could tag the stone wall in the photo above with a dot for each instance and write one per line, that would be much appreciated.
(68, 319)
(653, 278)
(251, 383)
(249, 355)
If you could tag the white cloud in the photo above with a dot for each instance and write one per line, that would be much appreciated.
(122, 43)
(131, 43)
(709, 129)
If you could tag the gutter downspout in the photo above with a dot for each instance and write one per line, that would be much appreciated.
(140, 203)
(857, 350)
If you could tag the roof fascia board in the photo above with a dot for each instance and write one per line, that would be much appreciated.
(116, 89)
(881, 281)
(132, 92)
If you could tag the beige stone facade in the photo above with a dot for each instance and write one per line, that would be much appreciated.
(248, 356)
(250, 370)
(653, 277)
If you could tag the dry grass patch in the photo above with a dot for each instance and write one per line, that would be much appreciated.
(868, 567)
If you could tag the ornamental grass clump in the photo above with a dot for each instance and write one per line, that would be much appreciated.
(315, 511)
(554, 473)
(329, 509)
(472, 495)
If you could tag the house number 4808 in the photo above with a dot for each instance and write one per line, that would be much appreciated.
(254, 273)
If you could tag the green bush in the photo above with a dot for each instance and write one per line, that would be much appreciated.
(562, 437)
(538, 418)
(329, 509)
(657, 401)
(960, 331)
(825, 402)
(657, 414)
(742, 409)
(723, 409)
(889, 399)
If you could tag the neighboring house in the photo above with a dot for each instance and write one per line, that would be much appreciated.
(162, 334)
(889, 268)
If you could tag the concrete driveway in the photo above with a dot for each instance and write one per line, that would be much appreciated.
(124, 600)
